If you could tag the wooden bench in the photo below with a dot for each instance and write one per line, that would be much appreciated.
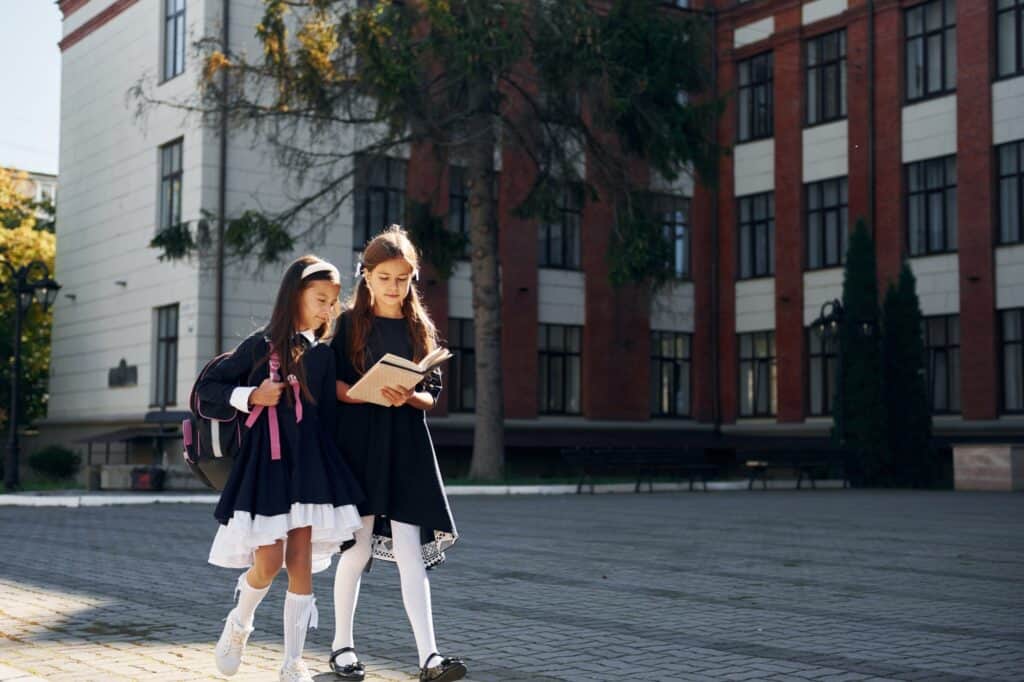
(643, 464)
(810, 464)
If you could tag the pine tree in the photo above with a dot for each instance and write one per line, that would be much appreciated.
(858, 409)
(907, 415)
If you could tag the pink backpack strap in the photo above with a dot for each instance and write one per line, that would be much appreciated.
(275, 430)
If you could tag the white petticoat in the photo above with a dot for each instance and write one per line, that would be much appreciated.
(235, 542)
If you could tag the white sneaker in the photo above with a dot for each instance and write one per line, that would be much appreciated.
(231, 645)
(295, 670)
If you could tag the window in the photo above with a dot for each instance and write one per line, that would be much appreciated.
(379, 196)
(826, 223)
(559, 354)
(670, 374)
(674, 214)
(931, 206)
(757, 374)
(462, 368)
(825, 57)
(942, 344)
(931, 49)
(170, 184)
(754, 99)
(756, 235)
(1013, 359)
(1011, 191)
(1009, 35)
(558, 241)
(165, 374)
(822, 368)
(458, 202)
(174, 38)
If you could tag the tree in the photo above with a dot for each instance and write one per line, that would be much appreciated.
(559, 82)
(861, 399)
(21, 241)
(907, 414)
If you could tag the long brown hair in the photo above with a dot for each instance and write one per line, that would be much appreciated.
(281, 329)
(390, 244)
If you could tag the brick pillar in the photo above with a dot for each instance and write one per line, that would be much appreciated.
(427, 182)
(727, 349)
(890, 226)
(789, 238)
(979, 364)
(702, 270)
(858, 125)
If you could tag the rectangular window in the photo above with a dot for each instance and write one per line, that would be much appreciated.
(1009, 34)
(942, 344)
(462, 366)
(931, 206)
(822, 368)
(754, 99)
(756, 235)
(930, 49)
(379, 196)
(670, 374)
(170, 184)
(1010, 158)
(558, 241)
(560, 353)
(1012, 324)
(826, 223)
(758, 396)
(825, 60)
(174, 38)
(165, 369)
(674, 214)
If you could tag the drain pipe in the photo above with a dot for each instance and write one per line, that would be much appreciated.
(222, 186)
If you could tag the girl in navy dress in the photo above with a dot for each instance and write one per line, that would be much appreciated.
(290, 499)
(406, 517)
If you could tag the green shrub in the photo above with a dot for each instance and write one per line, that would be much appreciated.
(55, 462)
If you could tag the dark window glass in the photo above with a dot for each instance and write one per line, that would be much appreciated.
(1012, 327)
(559, 355)
(1010, 169)
(558, 240)
(674, 214)
(174, 38)
(1009, 34)
(821, 373)
(165, 368)
(758, 395)
(942, 343)
(930, 34)
(670, 374)
(170, 184)
(754, 97)
(931, 206)
(379, 196)
(756, 235)
(462, 366)
(825, 61)
(826, 223)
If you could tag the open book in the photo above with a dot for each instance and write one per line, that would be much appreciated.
(392, 370)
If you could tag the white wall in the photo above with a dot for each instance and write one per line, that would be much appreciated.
(672, 308)
(561, 297)
(755, 305)
(938, 283)
(821, 9)
(820, 286)
(825, 151)
(929, 129)
(754, 167)
(1008, 110)
(753, 32)
(460, 292)
(1010, 276)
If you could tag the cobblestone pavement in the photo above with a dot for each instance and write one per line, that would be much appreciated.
(827, 585)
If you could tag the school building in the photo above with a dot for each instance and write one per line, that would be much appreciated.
(909, 114)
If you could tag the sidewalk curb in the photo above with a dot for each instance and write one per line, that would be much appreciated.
(128, 498)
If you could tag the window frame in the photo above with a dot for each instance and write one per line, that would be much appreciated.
(165, 361)
(461, 344)
(1017, 10)
(545, 355)
(676, 232)
(771, 360)
(365, 189)
(1015, 176)
(751, 89)
(828, 354)
(946, 189)
(753, 225)
(943, 31)
(569, 193)
(841, 209)
(171, 183)
(814, 72)
(951, 351)
(173, 22)
(1017, 343)
(677, 361)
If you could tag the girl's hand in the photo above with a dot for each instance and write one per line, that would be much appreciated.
(396, 395)
(268, 393)
(341, 390)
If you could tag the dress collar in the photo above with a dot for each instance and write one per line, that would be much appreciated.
(310, 336)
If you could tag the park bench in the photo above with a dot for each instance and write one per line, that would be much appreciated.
(809, 464)
(643, 464)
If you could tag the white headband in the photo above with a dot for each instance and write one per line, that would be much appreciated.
(321, 266)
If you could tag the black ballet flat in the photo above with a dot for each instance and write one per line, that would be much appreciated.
(353, 671)
(449, 670)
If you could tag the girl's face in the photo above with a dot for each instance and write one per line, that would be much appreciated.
(390, 282)
(316, 303)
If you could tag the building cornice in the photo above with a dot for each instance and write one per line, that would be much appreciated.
(83, 31)
(69, 7)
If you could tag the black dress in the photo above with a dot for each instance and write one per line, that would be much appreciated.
(390, 451)
(310, 485)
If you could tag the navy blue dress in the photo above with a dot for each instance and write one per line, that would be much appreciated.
(390, 451)
(310, 485)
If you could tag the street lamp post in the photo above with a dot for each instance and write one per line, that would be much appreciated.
(27, 283)
(830, 324)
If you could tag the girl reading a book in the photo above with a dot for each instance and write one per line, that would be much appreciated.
(406, 517)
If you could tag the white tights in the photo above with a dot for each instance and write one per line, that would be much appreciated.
(415, 587)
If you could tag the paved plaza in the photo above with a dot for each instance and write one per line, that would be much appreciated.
(826, 585)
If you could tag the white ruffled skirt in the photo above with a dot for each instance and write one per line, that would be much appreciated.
(235, 543)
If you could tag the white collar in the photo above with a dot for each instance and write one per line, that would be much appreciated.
(310, 336)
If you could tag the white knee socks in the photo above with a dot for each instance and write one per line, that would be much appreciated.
(248, 599)
(415, 587)
(346, 589)
(300, 614)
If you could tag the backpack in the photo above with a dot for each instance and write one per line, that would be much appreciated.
(211, 435)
